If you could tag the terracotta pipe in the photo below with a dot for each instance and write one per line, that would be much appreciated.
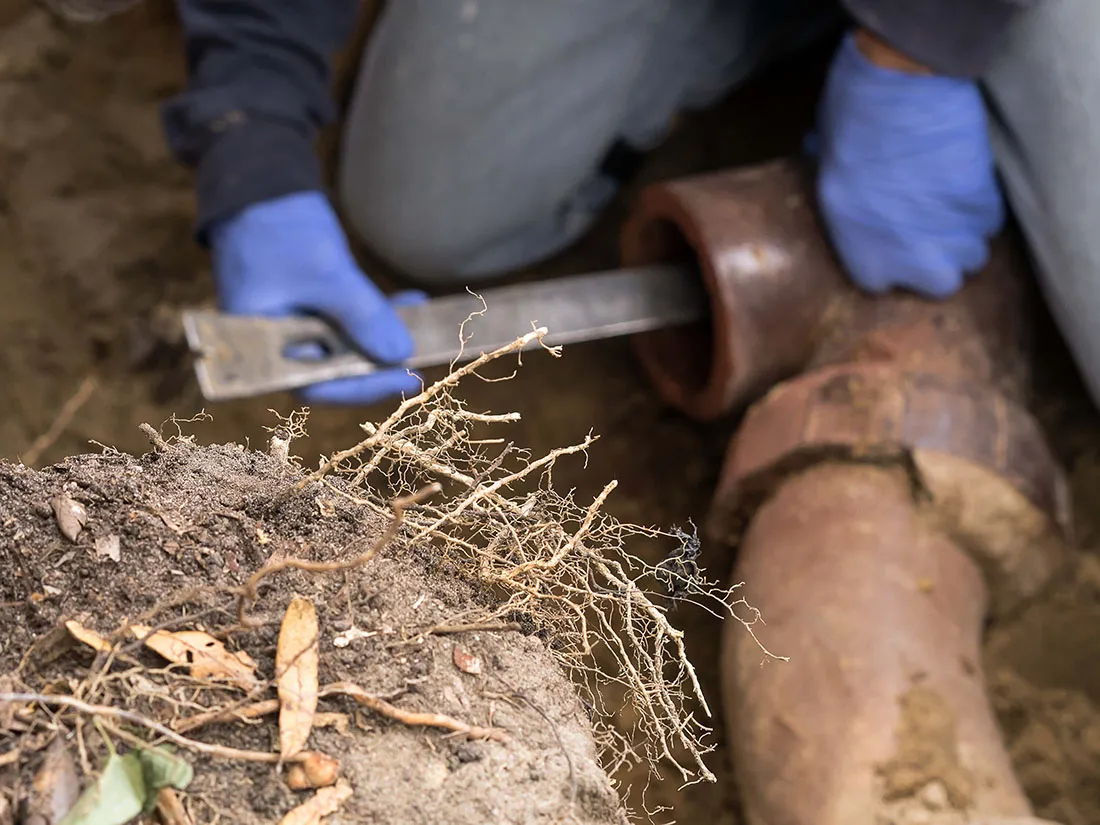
(754, 236)
(886, 500)
(875, 609)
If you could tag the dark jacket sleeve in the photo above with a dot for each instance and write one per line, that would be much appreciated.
(258, 91)
(952, 37)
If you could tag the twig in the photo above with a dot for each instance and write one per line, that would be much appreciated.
(155, 438)
(368, 700)
(106, 711)
(412, 718)
(171, 809)
(247, 592)
(449, 629)
(64, 417)
(230, 714)
(488, 627)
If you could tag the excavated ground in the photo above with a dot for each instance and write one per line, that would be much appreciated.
(189, 523)
(96, 257)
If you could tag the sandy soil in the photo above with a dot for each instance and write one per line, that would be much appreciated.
(95, 255)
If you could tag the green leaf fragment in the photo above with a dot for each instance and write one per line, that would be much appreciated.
(128, 787)
(116, 797)
(163, 769)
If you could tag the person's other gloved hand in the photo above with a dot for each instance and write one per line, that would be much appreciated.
(906, 184)
(289, 256)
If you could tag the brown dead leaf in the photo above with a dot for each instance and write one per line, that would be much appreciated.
(296, 663)
(326, 801)
(316, 770)
(466, 661)
(56, 785)
(205, 655)
(88, 637)
(71, 515)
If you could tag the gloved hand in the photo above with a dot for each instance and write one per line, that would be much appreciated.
(290, 256)
(906, 185)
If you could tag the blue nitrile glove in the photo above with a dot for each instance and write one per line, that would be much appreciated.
(906, 185)
(289, 256)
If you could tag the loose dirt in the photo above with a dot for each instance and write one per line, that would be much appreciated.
(96, 256)
(192, 522)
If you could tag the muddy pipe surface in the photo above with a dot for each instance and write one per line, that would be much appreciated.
(881, 709)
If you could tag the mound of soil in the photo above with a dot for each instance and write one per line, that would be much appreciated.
(191, 523)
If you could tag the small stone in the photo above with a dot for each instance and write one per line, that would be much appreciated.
(466, 661)
(71, 515)
(934, 796)
(109, 547)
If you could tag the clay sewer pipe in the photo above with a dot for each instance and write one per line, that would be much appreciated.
(888, 492)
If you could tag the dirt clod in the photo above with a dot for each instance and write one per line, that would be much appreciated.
(927, 752)
(397, 773)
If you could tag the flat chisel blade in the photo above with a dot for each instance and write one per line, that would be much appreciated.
(242, 356)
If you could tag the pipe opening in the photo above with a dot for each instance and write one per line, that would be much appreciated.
(681, 355)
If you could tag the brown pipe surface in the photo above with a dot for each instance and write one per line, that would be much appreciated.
(769, 271)
(894, 493)
(881, 616)
(780, 302)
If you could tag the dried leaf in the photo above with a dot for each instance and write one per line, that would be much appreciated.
(71, 515)
(296, 663)
(206, 656)
(466, 661)
(326, 801)
(316, 770)
(109, 547)
(88, 637)
(56, 785)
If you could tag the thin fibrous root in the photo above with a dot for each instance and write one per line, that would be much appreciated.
(426, 395)
(360, 696)
(412, 718)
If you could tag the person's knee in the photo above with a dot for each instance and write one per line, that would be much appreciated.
(413, 234)
(458, 237)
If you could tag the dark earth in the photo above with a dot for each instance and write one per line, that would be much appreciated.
(96, 258)
(193, 521)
